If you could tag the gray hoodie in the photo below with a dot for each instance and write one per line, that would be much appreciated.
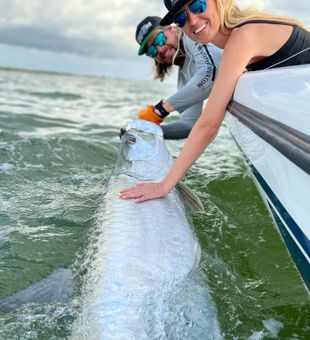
(195, 81)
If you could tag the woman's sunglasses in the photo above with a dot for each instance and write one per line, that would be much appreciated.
(196, 7)
(159, 40)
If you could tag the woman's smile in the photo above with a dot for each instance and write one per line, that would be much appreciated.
(200, 29)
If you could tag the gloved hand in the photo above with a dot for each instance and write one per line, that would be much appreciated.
(150, 115)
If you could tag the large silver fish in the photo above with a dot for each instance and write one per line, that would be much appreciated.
(141, 251)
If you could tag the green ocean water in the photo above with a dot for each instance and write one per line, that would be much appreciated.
(58, 145)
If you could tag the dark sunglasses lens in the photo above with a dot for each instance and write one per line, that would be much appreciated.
(180, 18)
(160, 39)
(198, 6)
(152, 51)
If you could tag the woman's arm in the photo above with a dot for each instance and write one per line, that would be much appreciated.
(182, 127)
(237, 53)
(199, 74)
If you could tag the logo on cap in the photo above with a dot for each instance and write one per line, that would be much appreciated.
(144, 29)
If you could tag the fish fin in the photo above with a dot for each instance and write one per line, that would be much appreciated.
(57, 287)
(190, 200)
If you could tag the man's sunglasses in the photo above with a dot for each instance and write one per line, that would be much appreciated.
(159, 40)
(196, 7)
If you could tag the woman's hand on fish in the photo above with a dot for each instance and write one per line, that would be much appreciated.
(144, 191)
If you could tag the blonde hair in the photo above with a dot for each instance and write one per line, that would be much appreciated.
(232, 15)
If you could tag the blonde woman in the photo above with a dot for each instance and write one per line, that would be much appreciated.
(251, 40)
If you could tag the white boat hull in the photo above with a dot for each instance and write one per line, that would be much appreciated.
(269, 118)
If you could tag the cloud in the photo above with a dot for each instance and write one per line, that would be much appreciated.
(99, 28)
(297, 10)
(46, 39)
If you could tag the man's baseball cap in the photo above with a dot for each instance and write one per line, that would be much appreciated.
(144, 30)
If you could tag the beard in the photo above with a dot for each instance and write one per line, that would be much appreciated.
(167, 56)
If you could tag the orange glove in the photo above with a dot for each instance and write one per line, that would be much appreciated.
(150, 115)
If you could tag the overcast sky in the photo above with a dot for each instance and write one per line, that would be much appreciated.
(101, 32)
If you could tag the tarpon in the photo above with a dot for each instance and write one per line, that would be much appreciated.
(141, 251)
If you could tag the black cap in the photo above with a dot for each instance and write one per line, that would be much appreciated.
(173, 7)
(144, 30)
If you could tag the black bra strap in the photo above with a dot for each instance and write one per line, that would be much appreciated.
(265, 21)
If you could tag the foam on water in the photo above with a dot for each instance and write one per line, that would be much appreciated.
(5, 167)
(37, 322)
(271, 330)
